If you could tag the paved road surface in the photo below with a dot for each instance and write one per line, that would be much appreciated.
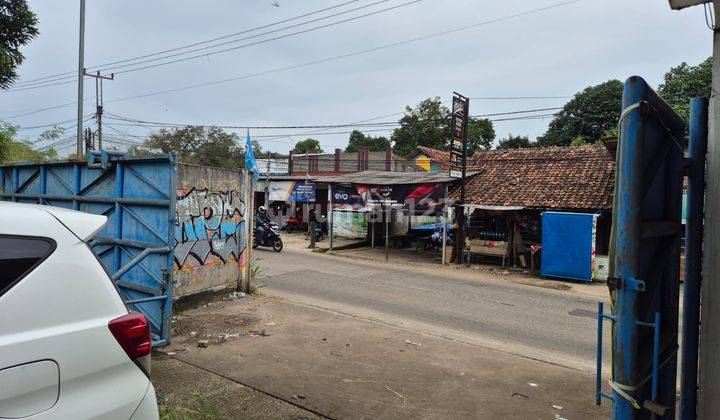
(473, 307)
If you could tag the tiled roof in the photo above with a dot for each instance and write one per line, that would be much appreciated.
(579, 178)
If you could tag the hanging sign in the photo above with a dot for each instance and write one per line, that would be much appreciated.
(458, 138)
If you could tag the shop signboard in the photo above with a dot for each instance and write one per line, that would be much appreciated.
(414, 198)
(349, 198)
(304, 192)
(418, 197)
(297, 191)
(458, 137)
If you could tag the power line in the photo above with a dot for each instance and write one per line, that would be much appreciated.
(72, 72)
(207, 54)
(338, 57)
(156, 124)
(352, 54)
(56, 124)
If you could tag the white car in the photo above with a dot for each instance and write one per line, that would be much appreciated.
(69, 347)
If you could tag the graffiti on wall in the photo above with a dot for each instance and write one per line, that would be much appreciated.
(209, 228)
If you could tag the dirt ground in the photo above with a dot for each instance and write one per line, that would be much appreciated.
(341, 366)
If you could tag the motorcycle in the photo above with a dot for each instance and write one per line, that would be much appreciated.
(295, 224)
(321, 229)
(272, 238)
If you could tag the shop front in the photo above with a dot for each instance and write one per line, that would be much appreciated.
(401, 211)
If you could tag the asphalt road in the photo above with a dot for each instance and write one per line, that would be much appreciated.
(473, 307)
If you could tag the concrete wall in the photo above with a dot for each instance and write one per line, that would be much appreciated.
(211, 240)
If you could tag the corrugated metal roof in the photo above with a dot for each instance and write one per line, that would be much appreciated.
(387, 178)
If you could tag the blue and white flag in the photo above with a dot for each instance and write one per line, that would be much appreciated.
(250, 163)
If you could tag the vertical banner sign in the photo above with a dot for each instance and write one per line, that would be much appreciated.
(458, 157)
(457, 145)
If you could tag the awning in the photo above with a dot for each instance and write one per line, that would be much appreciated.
(492, 208)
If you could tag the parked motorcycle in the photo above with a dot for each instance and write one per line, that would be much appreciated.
(272, 238)
(295, 224)
(321, 229)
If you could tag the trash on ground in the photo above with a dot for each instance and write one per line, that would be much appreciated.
(193, 333)
(519, 395)
(203, 343)
(533, 384)
(298, 397)
(262, 333)
(171, 353)
(557, 407)
(225, 336)
(271, 324)
(234, 296)
(396, 393)
(557, 417)
(412, 343)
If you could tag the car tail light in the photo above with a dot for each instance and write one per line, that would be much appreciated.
(132, 332)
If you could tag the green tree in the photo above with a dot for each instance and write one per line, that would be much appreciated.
(359, 140)
(428, 124)
(209, 146)
(514, 142)
(589, 114)
(257, 148)
(18, 26)
(683, 83)
(481, 134)
(307, 146)
(424, 125)
(16, 150)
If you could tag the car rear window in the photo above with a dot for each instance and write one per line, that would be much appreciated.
(19, 255)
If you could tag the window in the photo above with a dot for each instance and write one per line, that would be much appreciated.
(19, 255)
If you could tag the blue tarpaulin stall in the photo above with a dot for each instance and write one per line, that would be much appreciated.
(568, 245)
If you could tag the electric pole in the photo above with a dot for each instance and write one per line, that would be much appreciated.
(267, 181)
(81, 73)
(99, 101)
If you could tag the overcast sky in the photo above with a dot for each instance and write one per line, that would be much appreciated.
(555, 52)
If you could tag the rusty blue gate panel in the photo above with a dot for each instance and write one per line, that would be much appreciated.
(645, 255)
(136, 244)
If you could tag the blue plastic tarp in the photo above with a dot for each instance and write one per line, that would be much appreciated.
(567, 245)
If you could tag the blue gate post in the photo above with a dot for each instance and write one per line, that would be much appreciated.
(693, 257)
(645, 255)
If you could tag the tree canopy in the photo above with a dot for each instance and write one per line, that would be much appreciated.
(209, 146)
(684, 82)
(359, 141)
(18, 26)
(307, 146)
(428, 124)
(14, 150)
(514, 142)
(589, 114)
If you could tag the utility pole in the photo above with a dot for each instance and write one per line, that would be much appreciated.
(99, 101)
(81, 74)
(709, 362)
(267, 181)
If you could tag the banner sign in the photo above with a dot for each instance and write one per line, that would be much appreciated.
(297, 191)
(280, 190)
(349, 198)
(304, 192)
(458, 138)
(419, 197)
(414, 198)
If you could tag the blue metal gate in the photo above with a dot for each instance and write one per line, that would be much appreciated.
(645, 257)
(136, 244)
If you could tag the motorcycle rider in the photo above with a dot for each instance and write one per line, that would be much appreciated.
(262, 223)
